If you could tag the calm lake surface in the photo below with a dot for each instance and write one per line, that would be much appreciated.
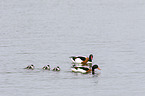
(42, 32)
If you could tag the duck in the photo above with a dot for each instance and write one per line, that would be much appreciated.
(47, 67)
(30, 67)
(82, 59)
(82, 69)
(56, 69)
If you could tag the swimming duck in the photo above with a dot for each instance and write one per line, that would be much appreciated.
(47, 67)
(56, 69)
(82, 59)
(82, 69)
(30, 67)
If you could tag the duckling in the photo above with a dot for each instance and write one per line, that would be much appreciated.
(56, 69)
(47, 67)
(30, 67)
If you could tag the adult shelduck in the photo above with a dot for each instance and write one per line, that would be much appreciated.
(30, 67)
(82, 69)
(47, 67)
(56, 69)
(82, 59)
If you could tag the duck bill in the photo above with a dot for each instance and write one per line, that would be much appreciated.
(98, 68)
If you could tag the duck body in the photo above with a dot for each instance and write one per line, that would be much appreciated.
(47, 67)
(82, 59)
(30, 67)
(80, 69)
(85, 69)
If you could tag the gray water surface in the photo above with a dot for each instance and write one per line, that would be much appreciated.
(42, 32)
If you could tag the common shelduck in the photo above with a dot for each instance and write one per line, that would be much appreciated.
(82, 69)
(30, 67)
(82, 59)
(47, 67)
(56, 69)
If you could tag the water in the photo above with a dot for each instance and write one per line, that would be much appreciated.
(42, 32)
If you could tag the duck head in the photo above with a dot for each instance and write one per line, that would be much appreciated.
(57, 68)
(32, 65)
(91, 57)
(95, 67)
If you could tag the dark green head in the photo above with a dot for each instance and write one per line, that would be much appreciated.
(95, 67)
